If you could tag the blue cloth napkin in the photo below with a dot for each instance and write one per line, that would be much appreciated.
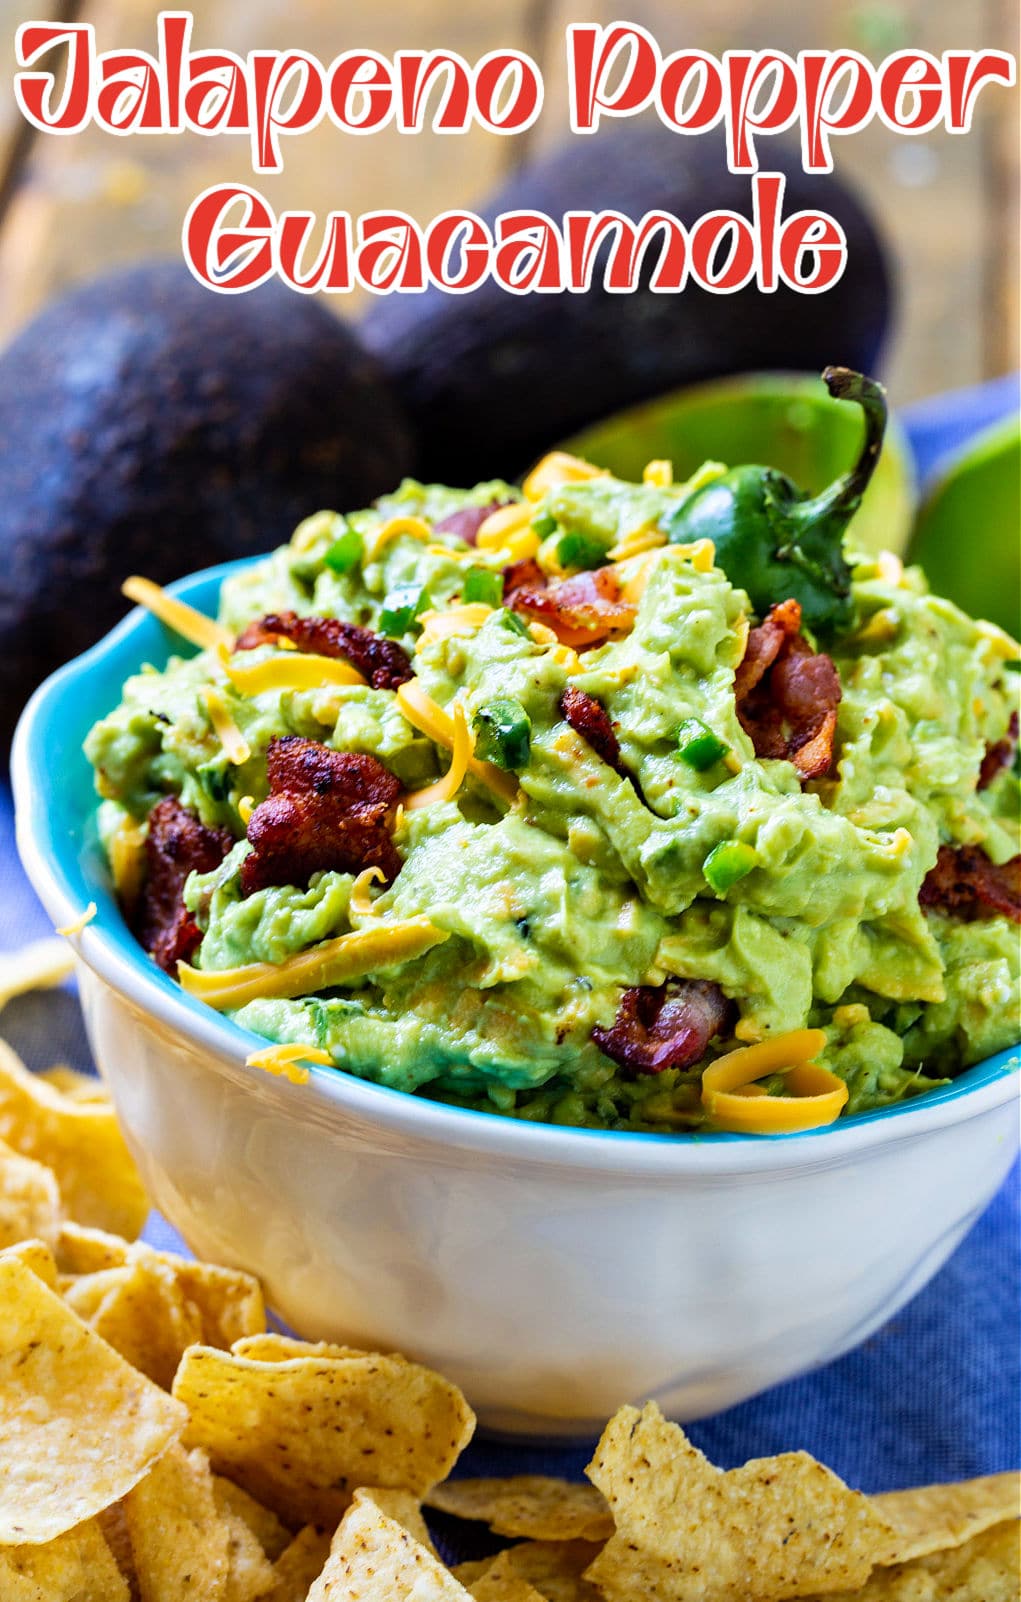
(933, 1396)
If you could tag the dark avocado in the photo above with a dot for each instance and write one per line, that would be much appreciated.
(148, 425)
(492, 379)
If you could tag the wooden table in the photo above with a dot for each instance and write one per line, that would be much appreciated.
(949, 205)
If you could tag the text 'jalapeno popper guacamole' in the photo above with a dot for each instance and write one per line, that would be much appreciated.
(631, 806)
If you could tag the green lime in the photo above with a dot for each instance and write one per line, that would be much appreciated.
(783, 420)
(968, 533)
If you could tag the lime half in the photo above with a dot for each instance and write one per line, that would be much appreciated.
(968, 534)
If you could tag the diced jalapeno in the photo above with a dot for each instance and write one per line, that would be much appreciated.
(346, 553)
(727, 863)
(481, 584)
(544, 525)
(575, 549)
(401, 607)
(213, 778)
(698, 746)
(515, 622)
(503, 732)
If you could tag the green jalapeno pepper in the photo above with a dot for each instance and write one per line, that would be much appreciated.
(775, 541)
(503, 732)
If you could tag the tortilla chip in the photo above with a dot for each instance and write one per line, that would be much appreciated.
(502, 1583)
(249, 1570)
(80, 1141)
(401, 1506)
(267, 1346)
(985, 1569)
(302, 1434)
(374, 1559)
(554, 1568)
(179, 1542)
(140, 1310)
(297, 1568)
(71, 1082)
(85, 1293)
(688, 1532)
(234, 1503)
(229, 1301)
(29, 1199)
(36, 1255)
(114, 1525)
(78, 1426)
(81, 1250)
(533, 1505)
(76, 1567)
(39, 966)
(153, 1305)
(930, 1518)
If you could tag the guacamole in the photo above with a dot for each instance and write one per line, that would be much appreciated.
(587, 877)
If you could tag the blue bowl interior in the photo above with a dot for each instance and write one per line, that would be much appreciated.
(60, 798)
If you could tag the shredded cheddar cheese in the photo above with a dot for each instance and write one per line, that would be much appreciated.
(634, 584)
(127, 860)
(416, 527)
(881, 628)
(360, 904)
(542, 635)
(284, 1061)
(701, 555)
(522, 545)
(334, 962)
(312, 529)
(235, 747)
(38, 966)
(565, 655)
(423, 713)
(450, 553)
(1000, 641)
(813, 1096)
(659, 473)
(291, 670)
(467, 619)
(192, 626)
(446, 788)
(637, 543)
(557, 468)
(75, 928)
(246, 806)
(497, 528)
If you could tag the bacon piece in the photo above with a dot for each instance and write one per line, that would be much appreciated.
(467, 520)
(325, 809)
(669, 1026)
(589, 718)
(781, 623)
(379, 660)
(523, 575)
(965, 884)
(177, 844)
(999, 755)
(584, 610)
(787, 694)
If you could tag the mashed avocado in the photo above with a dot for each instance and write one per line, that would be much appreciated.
(592, 879)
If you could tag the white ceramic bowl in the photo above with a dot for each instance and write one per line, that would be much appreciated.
(554, 1273)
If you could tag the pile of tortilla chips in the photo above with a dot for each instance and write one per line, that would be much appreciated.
(157, 1444)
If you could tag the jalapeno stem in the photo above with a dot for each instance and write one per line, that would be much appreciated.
(844, 495)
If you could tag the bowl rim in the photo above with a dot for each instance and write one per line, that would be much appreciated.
(112, 953)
